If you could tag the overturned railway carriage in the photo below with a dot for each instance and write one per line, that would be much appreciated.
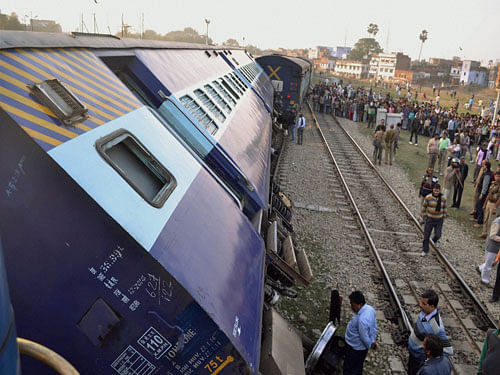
(290, 76)
(135, 180)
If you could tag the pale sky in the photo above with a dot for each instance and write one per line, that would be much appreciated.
(472, 25)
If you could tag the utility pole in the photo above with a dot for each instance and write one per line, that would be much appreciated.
(206, 37)
(387, 40)
(96, 29)
(142, 25)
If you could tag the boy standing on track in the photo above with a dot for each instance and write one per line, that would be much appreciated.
(433, 212)
(427, 322)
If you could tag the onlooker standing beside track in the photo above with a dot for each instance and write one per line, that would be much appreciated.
(451, 176)
(489, 362)
(291, 123)
(482, 187)
(444, 143)
(360, 335)
(490, 205)
(390, 135)
(428, 322)
(496, 289)
(397, 131)
(436, 363)
(427, 184)
(433, 212)
(459, 185)
(490, 251)
(377, 144)
(433, 150)
(481, 156)
(301, 124)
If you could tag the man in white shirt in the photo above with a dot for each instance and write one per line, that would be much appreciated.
(301, 124)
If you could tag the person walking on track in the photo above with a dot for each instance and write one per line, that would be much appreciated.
(433, 212)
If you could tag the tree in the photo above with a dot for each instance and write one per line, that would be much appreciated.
(12, 23)
(364, 47)
(423, 37)
(372, 29)
(188, 35)
(232, 43)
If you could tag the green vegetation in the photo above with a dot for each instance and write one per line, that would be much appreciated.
(312, 301)
(364, 47)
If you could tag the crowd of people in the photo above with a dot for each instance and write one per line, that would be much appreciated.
(454, 137)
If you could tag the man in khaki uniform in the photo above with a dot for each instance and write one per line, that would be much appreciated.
(433, 150)
(390, 136)
(491, 205)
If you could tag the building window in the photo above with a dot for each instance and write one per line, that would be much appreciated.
(136, 165)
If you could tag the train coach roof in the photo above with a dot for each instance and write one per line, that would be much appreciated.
(23, 39)
(303, 63)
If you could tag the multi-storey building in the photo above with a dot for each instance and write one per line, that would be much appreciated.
(352, 68)
(472, 72)
(383, 66)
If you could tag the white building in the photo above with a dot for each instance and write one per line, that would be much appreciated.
(383, 66)
(473, 73)
(352, 68)
(313, 53)
(455, 72)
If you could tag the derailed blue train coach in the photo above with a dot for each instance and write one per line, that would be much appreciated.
(291, 77)
(135, 178)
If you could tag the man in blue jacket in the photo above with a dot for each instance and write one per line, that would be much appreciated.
(428, 322)
(360, 334)
(436, 363)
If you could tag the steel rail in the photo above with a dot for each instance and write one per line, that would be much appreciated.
(451, 270)
(387, 279)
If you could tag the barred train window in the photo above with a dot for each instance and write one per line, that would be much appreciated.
(239, 81)
(137, 166)
(219, 99)
(225, 94)
(199, 114)
(246, 74)
(208, 103)
(233, 85)
(235, 81)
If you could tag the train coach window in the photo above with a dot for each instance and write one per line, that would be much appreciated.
(224, 93)
(208, 103)
(219, 99)
(246, 74)
(238, 81)
(199, 114)
(235, 87)
(229, 88)
(136, 165)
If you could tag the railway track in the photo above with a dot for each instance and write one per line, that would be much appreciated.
(394, 237)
